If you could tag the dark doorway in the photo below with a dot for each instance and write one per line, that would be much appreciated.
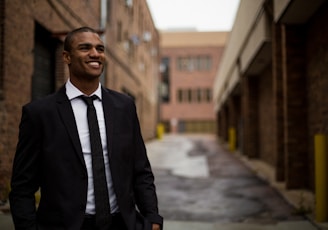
(43, 80)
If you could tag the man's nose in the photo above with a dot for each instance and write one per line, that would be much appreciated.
(94, 52)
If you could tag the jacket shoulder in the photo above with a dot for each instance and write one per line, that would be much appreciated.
(118, 98)
(41, 102)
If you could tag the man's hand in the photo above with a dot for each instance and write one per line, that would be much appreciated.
(156, 227)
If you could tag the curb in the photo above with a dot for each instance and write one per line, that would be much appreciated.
(302, 200)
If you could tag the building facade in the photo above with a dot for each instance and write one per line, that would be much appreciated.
(133, 65)
(189, 63)
(271, 87)
(31, 42)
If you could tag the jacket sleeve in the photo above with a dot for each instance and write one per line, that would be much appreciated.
(145, 191)
(25, 177)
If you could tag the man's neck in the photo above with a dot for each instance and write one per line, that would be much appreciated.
(86, 87)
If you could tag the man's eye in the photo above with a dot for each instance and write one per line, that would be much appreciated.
(100, 49)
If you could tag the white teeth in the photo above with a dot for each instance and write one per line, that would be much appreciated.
(94, 64)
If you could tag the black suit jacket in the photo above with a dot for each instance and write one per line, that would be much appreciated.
(49, 156)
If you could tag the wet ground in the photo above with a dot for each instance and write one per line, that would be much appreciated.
(202, 186)
(200, 182)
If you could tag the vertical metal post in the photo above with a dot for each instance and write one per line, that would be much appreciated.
(160, 130)
(321, 177)
(232, 139)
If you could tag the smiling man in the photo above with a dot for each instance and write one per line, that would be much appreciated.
(82, 147)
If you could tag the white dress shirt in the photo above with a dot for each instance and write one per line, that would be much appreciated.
(80, 113)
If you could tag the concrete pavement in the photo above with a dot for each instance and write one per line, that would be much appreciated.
(288, 225)
(203, 187)
(6, 222)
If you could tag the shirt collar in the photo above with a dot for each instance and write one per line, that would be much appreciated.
(73, 92)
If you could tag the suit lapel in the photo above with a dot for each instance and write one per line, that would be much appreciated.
(67, 116)
(109, 114)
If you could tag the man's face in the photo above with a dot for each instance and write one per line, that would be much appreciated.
(87, 56)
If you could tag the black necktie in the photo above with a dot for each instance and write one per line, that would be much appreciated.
(103, 216)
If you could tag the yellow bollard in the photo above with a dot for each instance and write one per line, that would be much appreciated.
(321, 190)
(160, 131)
(232, 139)
(37, 196)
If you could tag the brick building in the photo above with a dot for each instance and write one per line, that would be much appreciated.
(31, 39)
(189, 63)
(133, 66)
(272, 85)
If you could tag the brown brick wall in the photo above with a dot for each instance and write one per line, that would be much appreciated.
(234, 117)
(277, 100)
(2, 40)
(317, 81)
(59, 17)
(135, 69)
(265, 117)
(284, 107)
(20, 18)
(223, 123)
(251, 114)
(249, 103)
(232, 123)
(295, 105)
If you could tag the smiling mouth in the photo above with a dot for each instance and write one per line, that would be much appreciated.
(94, 64)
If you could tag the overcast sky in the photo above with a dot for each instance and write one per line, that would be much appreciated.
(202, 15)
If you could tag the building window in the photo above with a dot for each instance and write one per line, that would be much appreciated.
(194, 63)
(198, 62)
(208, 61)
(165, 79)
(199, 95)
(182, 63)
(189, 95)
(129, 3)
(208, 95)
(180, 95)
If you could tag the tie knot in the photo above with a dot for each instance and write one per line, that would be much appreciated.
(89, 100)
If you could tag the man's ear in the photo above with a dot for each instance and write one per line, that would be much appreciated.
(66, 57)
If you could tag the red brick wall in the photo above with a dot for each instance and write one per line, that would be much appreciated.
(2, 40)
(20, 18)
(190, 80)
(59, 17)
(135, 69)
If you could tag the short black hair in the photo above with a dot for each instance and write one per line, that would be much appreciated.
(70, 36)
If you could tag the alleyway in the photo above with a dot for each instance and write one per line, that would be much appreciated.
(201, 186)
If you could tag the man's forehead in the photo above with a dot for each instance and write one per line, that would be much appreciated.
(87, 37)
